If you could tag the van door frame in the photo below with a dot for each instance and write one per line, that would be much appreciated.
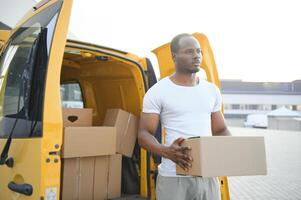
(41, 155)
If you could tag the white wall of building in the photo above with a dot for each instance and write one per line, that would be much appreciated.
(263, 99)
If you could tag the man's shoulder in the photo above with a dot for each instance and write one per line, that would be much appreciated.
(160, 85)
(209, 84)
(163, 81)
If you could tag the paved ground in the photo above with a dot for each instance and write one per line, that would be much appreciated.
(283, 182)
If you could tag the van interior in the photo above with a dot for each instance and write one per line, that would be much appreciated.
(100, 81)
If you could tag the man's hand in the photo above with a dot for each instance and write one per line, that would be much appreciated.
(179, 154)
(175, 152)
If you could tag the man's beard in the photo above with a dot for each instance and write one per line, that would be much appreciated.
(185, 70)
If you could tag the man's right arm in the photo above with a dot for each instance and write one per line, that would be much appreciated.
(147, 128)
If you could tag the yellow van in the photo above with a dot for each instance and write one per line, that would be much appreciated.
(39, 69)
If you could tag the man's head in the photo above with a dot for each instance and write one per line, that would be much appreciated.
(186, 53)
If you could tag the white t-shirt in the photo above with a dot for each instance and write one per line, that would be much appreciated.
(185, 111)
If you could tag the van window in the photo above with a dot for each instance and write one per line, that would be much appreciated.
(71, 96)
(23, 66)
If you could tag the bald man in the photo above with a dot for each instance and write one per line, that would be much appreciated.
(187, 107)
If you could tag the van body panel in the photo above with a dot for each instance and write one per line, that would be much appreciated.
(4, 36)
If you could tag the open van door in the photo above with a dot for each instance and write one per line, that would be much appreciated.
(30, 107)
(208, 64)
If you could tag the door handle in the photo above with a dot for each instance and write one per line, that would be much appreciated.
(25, 188)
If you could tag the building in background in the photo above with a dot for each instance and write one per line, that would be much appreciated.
(254, 100)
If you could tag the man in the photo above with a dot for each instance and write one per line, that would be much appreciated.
(187, 106)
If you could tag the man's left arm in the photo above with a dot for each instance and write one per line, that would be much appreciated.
(218, 125)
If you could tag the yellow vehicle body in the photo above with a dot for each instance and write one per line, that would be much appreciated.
(4, 36)
(108, 78)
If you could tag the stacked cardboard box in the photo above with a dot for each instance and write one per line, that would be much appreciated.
(226, 156)
(91, 169)
(126, 130)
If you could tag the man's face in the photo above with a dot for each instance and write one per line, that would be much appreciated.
(189, 56)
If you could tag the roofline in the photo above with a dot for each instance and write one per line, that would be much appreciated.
(259, 92)
(97, 46)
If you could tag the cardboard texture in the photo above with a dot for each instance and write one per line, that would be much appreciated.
(88, 141)
(90, 167)
(69, 188)
(86, 178)
(226, 156)
(107, 182)
(77, 117)
(114, 180)
(101, 177)
(95, 178)
(78, 177)
(126, 130)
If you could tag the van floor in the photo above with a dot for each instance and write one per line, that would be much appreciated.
(130, 197)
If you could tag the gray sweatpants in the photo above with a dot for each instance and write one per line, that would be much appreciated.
(187, 188)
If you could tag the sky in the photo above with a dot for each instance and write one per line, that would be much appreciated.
(256, 40)
(252, 40)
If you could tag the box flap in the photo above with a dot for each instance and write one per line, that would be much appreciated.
(126, 129)
(119, 119)
(130, 136)
(77, 117)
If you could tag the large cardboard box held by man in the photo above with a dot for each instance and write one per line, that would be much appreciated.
(126, 130)
(89, 165)
(226, 156)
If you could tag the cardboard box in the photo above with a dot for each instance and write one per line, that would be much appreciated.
(91, 178)
(77, 176)
(77, 117)
(90, 167)
(88, 141)
(107, 178)
(226, 156)
(126, 130)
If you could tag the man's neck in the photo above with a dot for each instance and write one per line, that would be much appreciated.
(185, 79)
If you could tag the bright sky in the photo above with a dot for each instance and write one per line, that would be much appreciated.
(255, 40)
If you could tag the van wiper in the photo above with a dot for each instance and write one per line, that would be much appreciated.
(4, 155)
